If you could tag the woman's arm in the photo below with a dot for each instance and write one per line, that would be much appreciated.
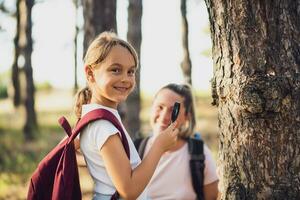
(130, 183)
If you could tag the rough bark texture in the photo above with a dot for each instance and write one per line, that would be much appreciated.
(134, 36)
(98, 16)
(256, 56)
(15, 67)
(31, 122)
(186, 64)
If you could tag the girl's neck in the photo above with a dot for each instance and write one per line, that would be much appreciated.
(104, 102)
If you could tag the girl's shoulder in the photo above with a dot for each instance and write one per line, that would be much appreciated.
(93, 106)
(101, 125)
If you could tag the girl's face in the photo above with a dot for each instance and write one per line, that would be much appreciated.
(162, 107)
(113, 79)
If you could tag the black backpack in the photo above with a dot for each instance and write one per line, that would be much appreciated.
(195, 146)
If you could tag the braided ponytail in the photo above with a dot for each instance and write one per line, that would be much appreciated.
(83, 97)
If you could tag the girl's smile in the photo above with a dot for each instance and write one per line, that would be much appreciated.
(122, 88)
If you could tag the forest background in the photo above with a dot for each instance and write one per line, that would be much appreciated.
(254, 127)
(57, 31)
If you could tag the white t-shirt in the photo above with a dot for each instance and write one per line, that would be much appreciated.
(172, 177)
(92, 138)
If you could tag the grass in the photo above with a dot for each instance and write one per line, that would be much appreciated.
(18, 158)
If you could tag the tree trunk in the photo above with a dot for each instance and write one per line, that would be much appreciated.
(186, 64)
(98, 16)
(31, 122)
(15, 67)
(256, 56)
(76, 3)
(134, 36)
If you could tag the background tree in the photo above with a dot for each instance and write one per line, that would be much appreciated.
(186, 64)
(256, 55)
(15, 67)
(76, 5)
(22, 63)
(134, 36)
(30, 120)
(98, 16)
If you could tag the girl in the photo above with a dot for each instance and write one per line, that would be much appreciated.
(110, 67)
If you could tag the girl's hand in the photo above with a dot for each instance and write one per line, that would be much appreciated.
(167, 138)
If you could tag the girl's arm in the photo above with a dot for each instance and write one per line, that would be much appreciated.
(130, 183)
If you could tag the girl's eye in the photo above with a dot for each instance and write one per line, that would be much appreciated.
(131, 72)
(116, 70)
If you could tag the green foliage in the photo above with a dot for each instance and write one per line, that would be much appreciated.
(22, 158)
(18, 158)
(206, 29)
(207, 53)
(45, 86)
(3, 92)
(4, 80)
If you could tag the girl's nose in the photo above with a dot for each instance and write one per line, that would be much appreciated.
(127, 78)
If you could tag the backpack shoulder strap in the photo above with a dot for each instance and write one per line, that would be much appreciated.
(93, 116)
(197, 164)
(140, 145)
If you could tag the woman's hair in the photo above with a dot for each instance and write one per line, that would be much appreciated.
(96, 53)
(185, 91)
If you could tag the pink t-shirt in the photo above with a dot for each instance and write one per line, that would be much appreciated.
(172, 177)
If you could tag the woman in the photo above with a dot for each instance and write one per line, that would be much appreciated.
(172, 178)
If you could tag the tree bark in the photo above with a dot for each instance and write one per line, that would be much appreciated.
(186, 64)
(15, 67)
(256, 56)
(31, 122)
(76, 4)
(98, 16)
(134, 36)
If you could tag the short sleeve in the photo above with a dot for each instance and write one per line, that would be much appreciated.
(210, 169)
(100, 132)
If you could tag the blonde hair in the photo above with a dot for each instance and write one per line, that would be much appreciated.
(96, 53)
(185, 91)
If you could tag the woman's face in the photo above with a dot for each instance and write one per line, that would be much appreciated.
(162, 107)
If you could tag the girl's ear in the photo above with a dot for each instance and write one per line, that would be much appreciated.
(89, 73)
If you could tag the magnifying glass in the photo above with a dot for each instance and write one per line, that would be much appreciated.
(175, 111)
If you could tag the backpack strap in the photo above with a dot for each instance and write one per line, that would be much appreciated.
(140, 145)
(197, 165)
(65, 124)
(90, 117)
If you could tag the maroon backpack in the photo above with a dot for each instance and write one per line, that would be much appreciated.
(56, 177)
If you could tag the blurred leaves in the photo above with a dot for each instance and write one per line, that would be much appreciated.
(4, 80)
(207, 53)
